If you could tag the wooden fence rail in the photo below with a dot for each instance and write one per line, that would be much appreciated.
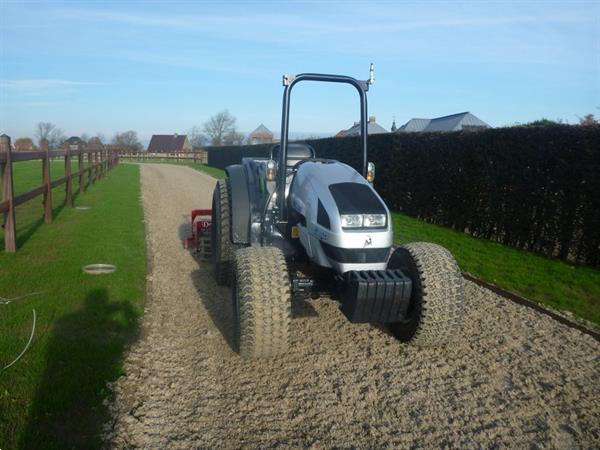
(199, 156)
(99, 161)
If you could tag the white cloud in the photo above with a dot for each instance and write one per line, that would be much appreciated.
(39, 84)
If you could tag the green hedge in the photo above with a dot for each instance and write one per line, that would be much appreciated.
(534, 188)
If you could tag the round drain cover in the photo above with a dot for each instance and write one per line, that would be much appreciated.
(99, 269)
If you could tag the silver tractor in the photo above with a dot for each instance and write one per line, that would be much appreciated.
(295, 223)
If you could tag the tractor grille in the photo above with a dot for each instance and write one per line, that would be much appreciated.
(356, 255)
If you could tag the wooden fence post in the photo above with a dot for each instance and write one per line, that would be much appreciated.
(10, 238)
(46, 181)
(69, 176)
(95, 166)
(80, 164)
(90, 167)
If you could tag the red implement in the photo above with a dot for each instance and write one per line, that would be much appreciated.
(200, 238)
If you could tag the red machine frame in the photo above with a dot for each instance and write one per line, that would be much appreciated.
(200, 238)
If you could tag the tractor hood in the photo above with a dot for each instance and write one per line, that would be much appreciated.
(320, 193)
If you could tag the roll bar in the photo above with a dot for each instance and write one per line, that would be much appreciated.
(289, 81)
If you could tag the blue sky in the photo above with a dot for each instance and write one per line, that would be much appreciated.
(163, 67)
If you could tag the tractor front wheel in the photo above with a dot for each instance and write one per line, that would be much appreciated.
(261, 302)
(435, 311)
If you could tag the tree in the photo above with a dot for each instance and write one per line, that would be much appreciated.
(221, 127)
(94, 143)
(50, 132)
(24, 145)
(128, 140)
(233, 138)
(543, 122)
(196, 137)
(588, 121)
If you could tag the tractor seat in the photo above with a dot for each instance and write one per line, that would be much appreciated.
(297, 151)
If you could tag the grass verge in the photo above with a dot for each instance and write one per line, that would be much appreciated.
(552, 282)
(212, 171)
(52, 397)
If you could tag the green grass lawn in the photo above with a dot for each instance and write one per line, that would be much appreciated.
(552, 282)
(52, 397)
(213, 171)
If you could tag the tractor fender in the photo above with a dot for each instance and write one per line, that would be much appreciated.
(240, 204)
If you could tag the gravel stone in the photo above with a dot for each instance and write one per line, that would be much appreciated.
(512, 378)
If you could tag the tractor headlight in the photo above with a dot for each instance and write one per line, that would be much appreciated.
(374, 220)
(363, 220)
(352, 220)
(271, 171)
(370, 172)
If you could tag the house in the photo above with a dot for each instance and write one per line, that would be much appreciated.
(169, 143)
(372, 128)
(454, 122)
(262, 135)
(74, 143)
(24, 145)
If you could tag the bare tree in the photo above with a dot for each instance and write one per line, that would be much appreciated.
(588, 121)
(128, 141)
(219, 126)
(196, 137)
(50, 132)
(94, 143)
(233, 138)
(100, 137)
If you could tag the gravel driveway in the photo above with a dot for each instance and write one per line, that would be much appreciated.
(514, 378)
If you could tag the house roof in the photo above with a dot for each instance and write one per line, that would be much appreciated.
(453, 122)
(262, 130)
(372, 128)
(415, 125)
(73, 140)
(166, 142)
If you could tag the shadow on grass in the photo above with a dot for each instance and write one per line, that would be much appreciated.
(84, 350)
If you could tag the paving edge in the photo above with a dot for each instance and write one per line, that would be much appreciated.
(533, 305)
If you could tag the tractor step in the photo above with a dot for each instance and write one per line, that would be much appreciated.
(376, 296)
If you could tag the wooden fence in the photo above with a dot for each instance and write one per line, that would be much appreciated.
(99, 161)
(199, 156)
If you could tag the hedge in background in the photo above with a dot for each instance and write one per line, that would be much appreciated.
(534, 188)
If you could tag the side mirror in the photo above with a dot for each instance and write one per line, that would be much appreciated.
(370, 172)
(271, 170)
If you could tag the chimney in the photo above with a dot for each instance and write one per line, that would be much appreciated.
(356, 123)
(175, 135)
(372, 119)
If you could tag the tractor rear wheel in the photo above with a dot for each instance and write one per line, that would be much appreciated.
(435, 311)
(261, 302)
(220, 236)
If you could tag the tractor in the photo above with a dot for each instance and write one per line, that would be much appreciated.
(296, 224)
